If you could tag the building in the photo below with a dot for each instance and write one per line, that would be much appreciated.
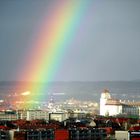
(33, 114)
(111, 107)
(9, 115)
(58, 116)
(62, 116)
(105, 96)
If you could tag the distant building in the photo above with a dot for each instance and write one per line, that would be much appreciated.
(78, 115)
(61, 116)
(110, 106)
(58, 116)
(105, 96)
(42, 114)
(33, 114)
(9, 115)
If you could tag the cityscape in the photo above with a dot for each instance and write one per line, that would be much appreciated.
(69, 70)
(70, 119)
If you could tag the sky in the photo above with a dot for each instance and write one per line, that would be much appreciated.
(106, 46)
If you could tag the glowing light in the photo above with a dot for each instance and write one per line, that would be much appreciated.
(26, 93)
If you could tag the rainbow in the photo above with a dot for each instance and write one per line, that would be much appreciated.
(56, 33)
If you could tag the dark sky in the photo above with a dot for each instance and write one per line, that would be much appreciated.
(107, 46)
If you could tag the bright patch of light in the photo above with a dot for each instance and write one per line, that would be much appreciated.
(26, 93)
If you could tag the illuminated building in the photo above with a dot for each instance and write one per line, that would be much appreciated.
(111, 107)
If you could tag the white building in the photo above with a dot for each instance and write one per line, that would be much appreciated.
(110, 106)
(34, 114)
(113, 107)
(104, 97)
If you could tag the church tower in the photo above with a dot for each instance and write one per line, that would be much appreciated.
(105, 95)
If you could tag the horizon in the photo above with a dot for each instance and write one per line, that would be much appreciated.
(137, 80)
